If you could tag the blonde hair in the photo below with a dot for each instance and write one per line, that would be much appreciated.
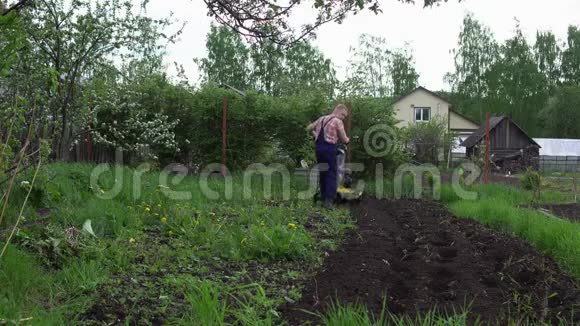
(340, 108)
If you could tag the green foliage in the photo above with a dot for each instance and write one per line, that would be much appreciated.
(227, 59)
(557, 238)
(514, 78)
(547, 54)
(377, 71)
(151, 236)
(11, 39)
(64, 42)
(249, 126)
(531, 180)
(405, 77)
(370, 72)
(476, 53)
(358, 315)
(265, 66)
(208, 307)
(516, 86)
(124, 110)
(428, 140)
(366, 113)
(561, 116)
(571, 57)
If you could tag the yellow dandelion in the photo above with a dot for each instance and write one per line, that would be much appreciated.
(131, 240)
(164, 220)
(148, 209)
(170, 232)
(156, 214)
(292, 225)
(158, 205)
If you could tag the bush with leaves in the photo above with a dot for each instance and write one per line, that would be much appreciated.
(116, 117)
(368, 114)
(427, 140)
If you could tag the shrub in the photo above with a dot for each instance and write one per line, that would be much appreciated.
(531, 180)
(428, 139)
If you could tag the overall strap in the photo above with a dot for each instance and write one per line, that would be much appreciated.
(325, 122)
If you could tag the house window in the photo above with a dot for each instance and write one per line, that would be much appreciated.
(422, 114)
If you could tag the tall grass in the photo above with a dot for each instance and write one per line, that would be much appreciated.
(236, 229)
(555, 237)
(503, 208)
(207, 308)
(358, 315)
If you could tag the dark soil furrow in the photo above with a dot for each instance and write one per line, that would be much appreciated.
(569, 211)
(420, 257)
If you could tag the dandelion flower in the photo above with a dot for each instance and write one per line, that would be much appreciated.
(148, 209)
(131, 240)
(292, 225)
(170, 232)
(164, 220)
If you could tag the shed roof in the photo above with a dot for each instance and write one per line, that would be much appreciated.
(559, 147)
(478, 135)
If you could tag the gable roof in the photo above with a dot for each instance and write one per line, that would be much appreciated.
(478, 135)
(463, 116)
(422, 89)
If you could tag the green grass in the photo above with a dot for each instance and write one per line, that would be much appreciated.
(557, 238)
(54, 272)
(358, 315)
(208, 260)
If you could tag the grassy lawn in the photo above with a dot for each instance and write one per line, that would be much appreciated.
(141, 257)
(152, 258)
(504, 209)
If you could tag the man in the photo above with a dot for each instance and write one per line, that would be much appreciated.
(328, 130)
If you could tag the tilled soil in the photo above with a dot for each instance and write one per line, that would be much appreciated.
(569, 211)
(421, 257)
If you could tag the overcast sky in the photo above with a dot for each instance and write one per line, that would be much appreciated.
(431, 32)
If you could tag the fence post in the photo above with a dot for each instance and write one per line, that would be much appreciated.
(348, 133)
(487, 149)
(224, 135)
(574, 185)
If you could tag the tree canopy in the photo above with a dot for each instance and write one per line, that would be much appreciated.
(266, 19)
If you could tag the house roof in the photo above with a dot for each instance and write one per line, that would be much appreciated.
(478, 135)
(463, 116)
(437, 96)
(423, 89)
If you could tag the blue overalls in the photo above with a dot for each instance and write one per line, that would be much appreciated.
(326, 154)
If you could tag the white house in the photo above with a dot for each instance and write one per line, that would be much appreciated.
(423, 105)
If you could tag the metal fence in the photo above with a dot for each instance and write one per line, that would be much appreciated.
(559, 163)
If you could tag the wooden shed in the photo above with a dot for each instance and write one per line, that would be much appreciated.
(511, 148)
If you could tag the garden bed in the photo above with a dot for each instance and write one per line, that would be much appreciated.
(569, 211)
(419, 257)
